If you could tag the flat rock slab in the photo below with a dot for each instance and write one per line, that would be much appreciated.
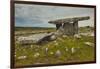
(32, 38)
(89, 44)
(87, 34)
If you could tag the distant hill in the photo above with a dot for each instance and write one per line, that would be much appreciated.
(32, 28)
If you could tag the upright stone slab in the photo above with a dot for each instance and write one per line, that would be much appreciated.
(75, 27)
(58, 26)
(68, 29)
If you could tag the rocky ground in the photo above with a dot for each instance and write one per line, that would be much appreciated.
(65, 49)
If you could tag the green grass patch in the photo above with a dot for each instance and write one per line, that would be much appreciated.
(64, 44)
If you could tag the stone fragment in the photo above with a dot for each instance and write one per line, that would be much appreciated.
(36, 55)
(58, 53)
(66, 49)
(77, 36)
(89, 44)
(73, 50)
(22, 57)
(53, 37)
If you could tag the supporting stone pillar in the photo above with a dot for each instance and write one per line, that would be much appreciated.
(68, 28)
(58, 26)
(75, 25)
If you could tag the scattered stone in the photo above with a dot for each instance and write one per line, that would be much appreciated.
(46, 50)
(38, 63)
(77, 36)
(84, 34)
(66, 49)
(14, 55)
(55, 42)
(73, 50)
(22, 57)
(36, 55)
(31, 46)
(89, 44)
(64, 36)
(58, 53)
(53, 37)
(92, 34)
(87, 34)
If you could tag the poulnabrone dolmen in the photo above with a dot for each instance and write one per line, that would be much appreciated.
(68, 26)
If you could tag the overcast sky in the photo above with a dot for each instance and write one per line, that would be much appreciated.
(27, 15)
